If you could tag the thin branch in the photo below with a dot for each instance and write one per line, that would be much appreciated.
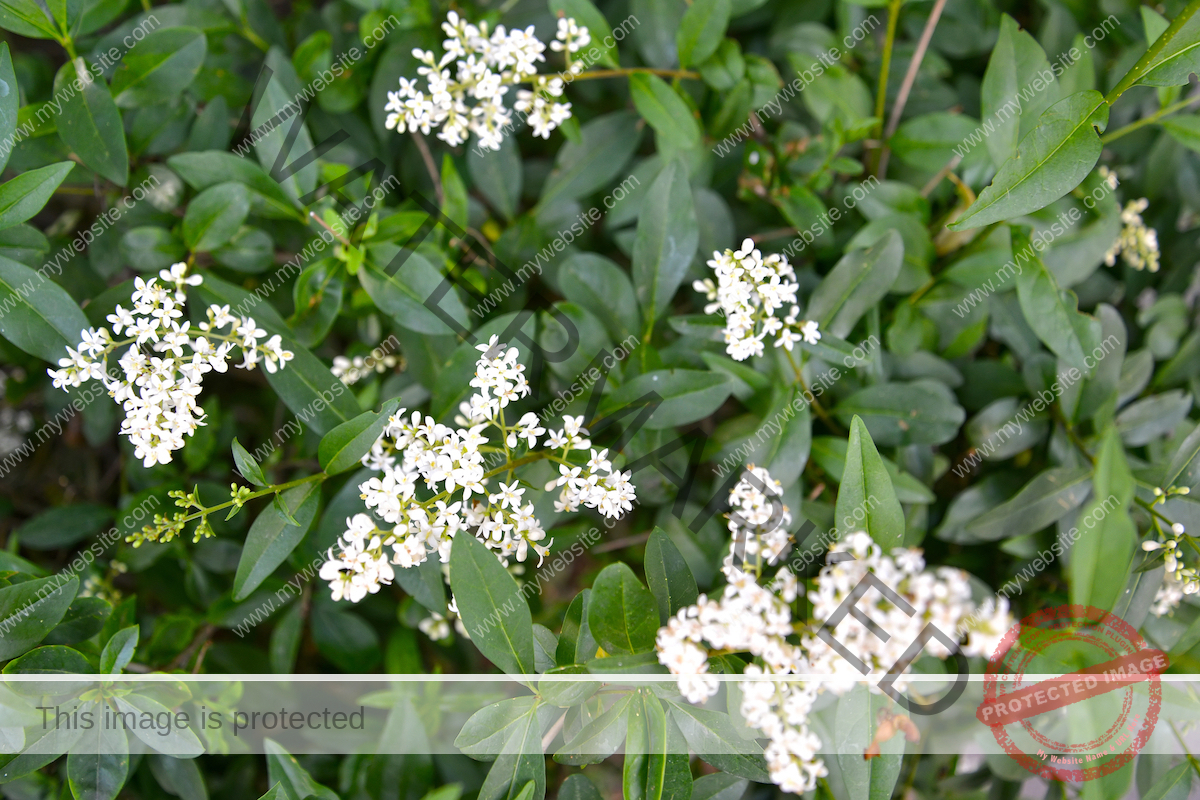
(910, 77)
(430, 165)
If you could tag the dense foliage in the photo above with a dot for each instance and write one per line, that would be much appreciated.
(591, 339)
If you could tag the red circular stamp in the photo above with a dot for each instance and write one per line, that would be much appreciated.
(1072, 693)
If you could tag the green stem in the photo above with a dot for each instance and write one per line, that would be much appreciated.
(614, 73)
(888, 43)
(275, 489)
(1150, 120)
(69, 46)
(254, 38)
(816, 404)
(1143, 64)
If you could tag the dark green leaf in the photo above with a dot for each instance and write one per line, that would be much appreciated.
(866, 499)
(667, 573)
(702, 30)
(247, 467)
(215, 215)
(622, 614)
(89, 123)
(272, 538)
(63, 526)
(344, 446)
(1052, 160)
(857, 282)
(162, 65)
(667, 237)
(26, 194)
(30, 610)
(41, 317)
(491, 606)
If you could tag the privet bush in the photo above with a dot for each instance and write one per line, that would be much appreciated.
(389, 336)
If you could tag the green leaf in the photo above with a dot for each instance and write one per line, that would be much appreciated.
(1175, 785)
(667, 237)
(346, 639)
(344, 446)
(859, 280)
(712, 736)
(272, 538)
(1052, 160)
(590, 17)
(491, 606)
(215, 215)
(401, 293)
(575, 642)
(84, 619)
(28, 18)
(42, 319)
(285, 640)
(98, 771)
(179, 776)
(719, 786)
(599, 738)
(211, 167)
(1184, 129)
(1101, 557)
(1043, 501)
(580, 169)
(829, 452)
(1184, 469)
(667, 572)
(89, 123)
(702, 30)
(622, 614)
(247, 467)
(854, 729)
(26, 194)
(30, 610)
(920, 412)
(162, 65)
(521, 763)
(118, 651)
(648, 757)
(1178, 59)
(285, 772)
(597, 284)
(454, 192)
(63, 526)
(686, 395)
(277, 99)
(1050, 312)
(1015, 91)
(497, 173)
(10, 102)
(578, 787)
(424, 582)
(867, 490)
(666, 112)
(485, 733)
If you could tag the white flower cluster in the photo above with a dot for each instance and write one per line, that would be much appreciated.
(451, 464)
(1178, 581)
(754, 615)
(752, 619)
(352, 370)
(941, 597)
(158, 392)
(1137, 244)
(486, 65)
(758, 519)
(748, 291)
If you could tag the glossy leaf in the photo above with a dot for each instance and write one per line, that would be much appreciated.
(667, 237)
(858, 281)
(622, 614)
(491, 606)
(344, 446)
(215, 215)
(26, 194)
(272, 537)
(1051, 160)
(89, 123)
(667, 573)
(866, 499)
